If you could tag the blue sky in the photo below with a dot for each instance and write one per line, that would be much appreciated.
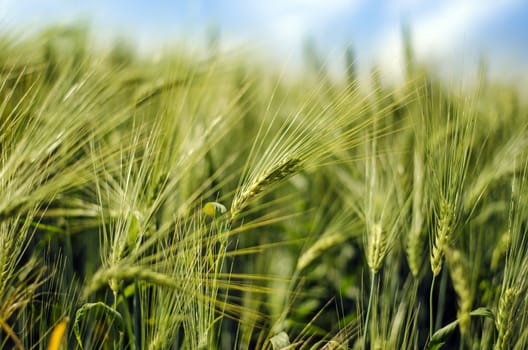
(447, 33)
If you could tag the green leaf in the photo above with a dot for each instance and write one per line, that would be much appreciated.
(440, 337)
(483, 312)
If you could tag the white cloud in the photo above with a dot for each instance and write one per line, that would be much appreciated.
(442, 32)
(290, 28)
(288, 22)
(283, 25)
(305, 6)
(448, 27)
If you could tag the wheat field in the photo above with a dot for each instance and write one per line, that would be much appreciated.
(205, 201)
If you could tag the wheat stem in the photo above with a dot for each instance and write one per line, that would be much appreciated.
(431, 322)
(367, 317)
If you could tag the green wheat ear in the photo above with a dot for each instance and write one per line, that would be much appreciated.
(443, 233)
(459, 275)
(274, 175)
(376, 247)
